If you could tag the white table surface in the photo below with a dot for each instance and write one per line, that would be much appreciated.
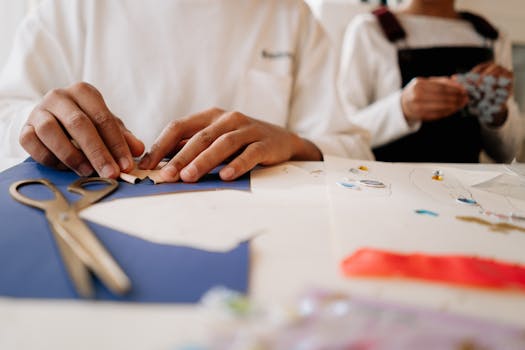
(285, 262)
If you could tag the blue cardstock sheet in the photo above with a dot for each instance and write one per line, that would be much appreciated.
(31, 267)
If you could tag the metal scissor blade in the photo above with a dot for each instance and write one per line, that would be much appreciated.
(77, 270)
(91, 252)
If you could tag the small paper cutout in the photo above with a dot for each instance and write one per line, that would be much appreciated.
(137, 175)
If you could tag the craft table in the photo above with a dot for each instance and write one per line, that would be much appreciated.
(296, 254)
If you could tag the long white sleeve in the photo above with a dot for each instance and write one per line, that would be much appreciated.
(316, 111)
(366, 83)
(37, 64)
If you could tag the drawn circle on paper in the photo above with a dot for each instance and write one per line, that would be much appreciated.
(372, 183)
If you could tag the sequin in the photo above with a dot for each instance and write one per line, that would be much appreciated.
(468, 201)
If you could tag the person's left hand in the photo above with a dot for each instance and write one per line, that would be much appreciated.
(205, 140)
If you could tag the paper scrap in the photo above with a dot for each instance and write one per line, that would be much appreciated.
(137, 175)
(470, 271)
(517, 168)
(208, 220)
(505, 185)
(218, 220)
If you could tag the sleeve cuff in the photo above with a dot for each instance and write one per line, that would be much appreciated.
(394, 125)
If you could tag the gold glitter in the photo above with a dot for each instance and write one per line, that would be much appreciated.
(500, 227)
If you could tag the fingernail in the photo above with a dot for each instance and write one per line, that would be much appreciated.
(85, 169)
(227, 173)
(124, 163)
(107, 171)
(190, 172)
(144, 162)
(169, 172)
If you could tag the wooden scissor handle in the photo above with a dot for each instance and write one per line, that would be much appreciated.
(40, 204)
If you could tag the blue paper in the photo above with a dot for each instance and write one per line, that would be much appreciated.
(31, 267)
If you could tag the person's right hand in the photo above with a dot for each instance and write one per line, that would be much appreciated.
(73, 128)
(427, 99)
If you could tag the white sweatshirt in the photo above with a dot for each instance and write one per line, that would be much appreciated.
(370, 80)
(158, 60)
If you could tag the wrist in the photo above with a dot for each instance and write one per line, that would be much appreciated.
(304, 149)
(410, 119)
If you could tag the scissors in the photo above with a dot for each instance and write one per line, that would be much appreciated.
(79, 248)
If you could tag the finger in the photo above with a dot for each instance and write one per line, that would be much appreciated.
(436, 109)
(174, 133)
(82, 130)
(437, 92)
(494, 70)
(177, 149)
(35, 148)
(445, 86)
(481, 67)
(439, 106)
(93, 105)
(446, 81)
(52, 136)
(135, 145)
(453, 99)
(201, 141)
(433, 101)
(499, 71)
(224, 147)
(247, 160)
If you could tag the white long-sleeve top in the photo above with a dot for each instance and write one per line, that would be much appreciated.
(370, 79)
(154, 61)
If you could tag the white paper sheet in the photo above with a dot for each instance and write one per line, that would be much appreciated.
(510, 186)
(216, 220)
(386, 218)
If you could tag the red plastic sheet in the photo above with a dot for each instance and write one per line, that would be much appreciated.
(452, 269)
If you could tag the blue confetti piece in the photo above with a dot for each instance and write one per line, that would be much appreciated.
(487, 119)
(476, 95)
(426, 212)
(500, 100)
(471, 88)
(489, 80)
(502, 92)
(503, 82)
(495, 109)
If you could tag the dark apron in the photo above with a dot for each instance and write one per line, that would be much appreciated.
(454, 139)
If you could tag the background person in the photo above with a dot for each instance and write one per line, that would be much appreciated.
(397, 81)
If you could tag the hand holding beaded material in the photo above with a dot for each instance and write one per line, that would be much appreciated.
(487, 94)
